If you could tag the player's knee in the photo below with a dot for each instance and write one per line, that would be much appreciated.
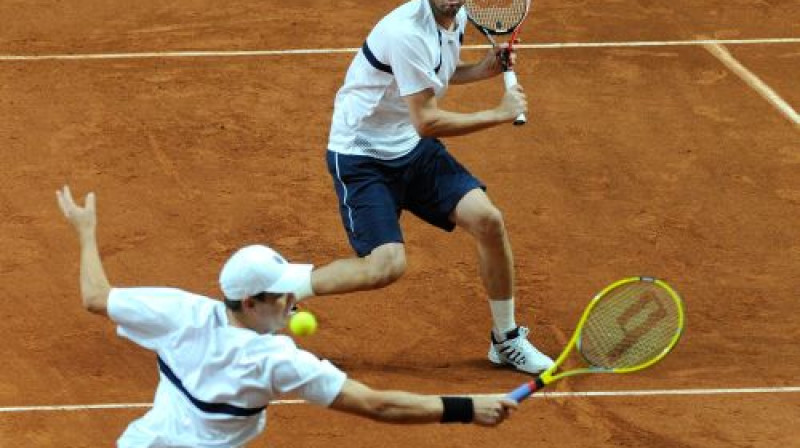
(491, 225)
(386, 266)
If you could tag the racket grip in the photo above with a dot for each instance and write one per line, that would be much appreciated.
(525, 390)
(510, 79)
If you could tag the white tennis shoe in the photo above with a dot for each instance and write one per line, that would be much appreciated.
(518, 352)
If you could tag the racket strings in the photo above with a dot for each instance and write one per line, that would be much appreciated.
(630, 326)
(497, 15)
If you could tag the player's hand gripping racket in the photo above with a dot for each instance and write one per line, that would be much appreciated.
(497, 18)
(629, 326)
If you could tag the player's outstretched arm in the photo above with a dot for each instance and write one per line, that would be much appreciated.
(94, 284)
(407, 408)
(431, 121)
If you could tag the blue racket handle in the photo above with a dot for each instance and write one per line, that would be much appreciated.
(526, 390)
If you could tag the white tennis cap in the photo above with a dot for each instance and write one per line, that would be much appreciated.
(256, 269)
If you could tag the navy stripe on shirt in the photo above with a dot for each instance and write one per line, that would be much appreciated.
(211, 408)
(373, 61)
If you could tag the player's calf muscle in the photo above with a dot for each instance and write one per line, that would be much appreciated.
(95, 303)
(384, 272)
(357, 274)
(385, 265)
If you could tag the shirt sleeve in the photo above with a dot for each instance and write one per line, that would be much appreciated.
(148, 317)
(308, 377)
(413, 65)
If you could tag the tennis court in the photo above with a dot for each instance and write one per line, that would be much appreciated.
(200, 131)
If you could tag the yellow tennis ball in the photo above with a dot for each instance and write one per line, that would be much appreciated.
(303, 323)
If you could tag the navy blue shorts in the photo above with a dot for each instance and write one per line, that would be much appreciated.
(428, 182)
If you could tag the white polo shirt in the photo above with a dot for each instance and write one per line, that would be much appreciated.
(370, 117)
(216, 364)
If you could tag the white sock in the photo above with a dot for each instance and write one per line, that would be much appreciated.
(503, 316)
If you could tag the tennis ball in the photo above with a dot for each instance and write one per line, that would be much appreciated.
(303, 323)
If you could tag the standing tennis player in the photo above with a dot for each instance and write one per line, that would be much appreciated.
(220, 363)
(384, 156)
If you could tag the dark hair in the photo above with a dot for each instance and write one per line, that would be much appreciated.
(236, 305)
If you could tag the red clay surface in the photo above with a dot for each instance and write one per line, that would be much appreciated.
(774, 66)
(649, 160)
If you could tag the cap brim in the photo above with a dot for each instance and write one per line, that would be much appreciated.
(294, 276)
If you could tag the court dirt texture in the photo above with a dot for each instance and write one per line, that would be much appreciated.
(652, 160)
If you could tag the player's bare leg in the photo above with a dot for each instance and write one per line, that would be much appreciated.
(382, 267)
(476, 214)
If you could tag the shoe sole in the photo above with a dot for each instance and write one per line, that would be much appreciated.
(494, 359)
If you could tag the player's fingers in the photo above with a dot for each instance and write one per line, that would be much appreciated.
(503, 412)
(90, 202)
(509, 403)
(61, 205)
(497, 54)
(503, 51)
(499, 413)
(68, 194)
(65, 201)
(70, 201)
(490, 418)
(481, 417)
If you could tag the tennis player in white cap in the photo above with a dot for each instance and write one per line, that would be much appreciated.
(221, 362)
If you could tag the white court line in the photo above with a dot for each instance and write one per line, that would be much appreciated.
(753, 81)
(308, 51)
(620, 393)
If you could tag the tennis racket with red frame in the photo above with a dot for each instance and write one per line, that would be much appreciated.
(499, 18)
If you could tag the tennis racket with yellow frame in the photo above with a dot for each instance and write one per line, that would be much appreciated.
(630, 325)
